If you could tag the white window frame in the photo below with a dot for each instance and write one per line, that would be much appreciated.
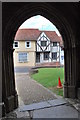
(14, 44)
(26, 44)
(22, 61)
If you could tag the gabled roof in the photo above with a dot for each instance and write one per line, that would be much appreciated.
(52, 36)
(33, 34)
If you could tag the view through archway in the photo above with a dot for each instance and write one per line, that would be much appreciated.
(62, 20)
(38, 49)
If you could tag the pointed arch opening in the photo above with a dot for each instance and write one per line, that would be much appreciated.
(38, 47)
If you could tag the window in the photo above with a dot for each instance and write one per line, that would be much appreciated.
(46, 56)
(61, 49)
(16, 44)
(43, 43)
(22, 57)
(28, 44)
(62, 57)
(54, 43)
(54, 55)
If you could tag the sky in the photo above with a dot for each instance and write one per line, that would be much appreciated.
(39, 22)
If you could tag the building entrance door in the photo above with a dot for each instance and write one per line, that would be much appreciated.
(37, 57)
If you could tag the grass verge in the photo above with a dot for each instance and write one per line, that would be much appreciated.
(48, 77)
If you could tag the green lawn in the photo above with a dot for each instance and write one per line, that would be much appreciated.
(48, 77)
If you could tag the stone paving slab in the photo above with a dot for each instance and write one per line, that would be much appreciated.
(62, 111)
(41, 105)
(56, 102)
(35, 106)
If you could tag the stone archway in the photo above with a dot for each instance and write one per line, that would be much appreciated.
(50, 12)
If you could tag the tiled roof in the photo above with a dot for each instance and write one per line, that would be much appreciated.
(52, 36)
(27, 34)
(33, 34)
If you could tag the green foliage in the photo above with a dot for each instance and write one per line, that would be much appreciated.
(48, 77)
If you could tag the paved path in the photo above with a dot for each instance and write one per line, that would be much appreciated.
(22, 69)
(42, 102)
(30, 91)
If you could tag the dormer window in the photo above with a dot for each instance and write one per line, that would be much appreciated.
(16, 44)
(43, 43)
(28, 44)
(54, 43)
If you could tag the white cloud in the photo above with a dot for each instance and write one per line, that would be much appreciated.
(40, 23)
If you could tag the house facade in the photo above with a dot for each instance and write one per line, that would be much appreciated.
(33, 46)
(24, 54)
(47, 50)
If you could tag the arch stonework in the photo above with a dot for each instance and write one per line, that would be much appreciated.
(56, 16)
